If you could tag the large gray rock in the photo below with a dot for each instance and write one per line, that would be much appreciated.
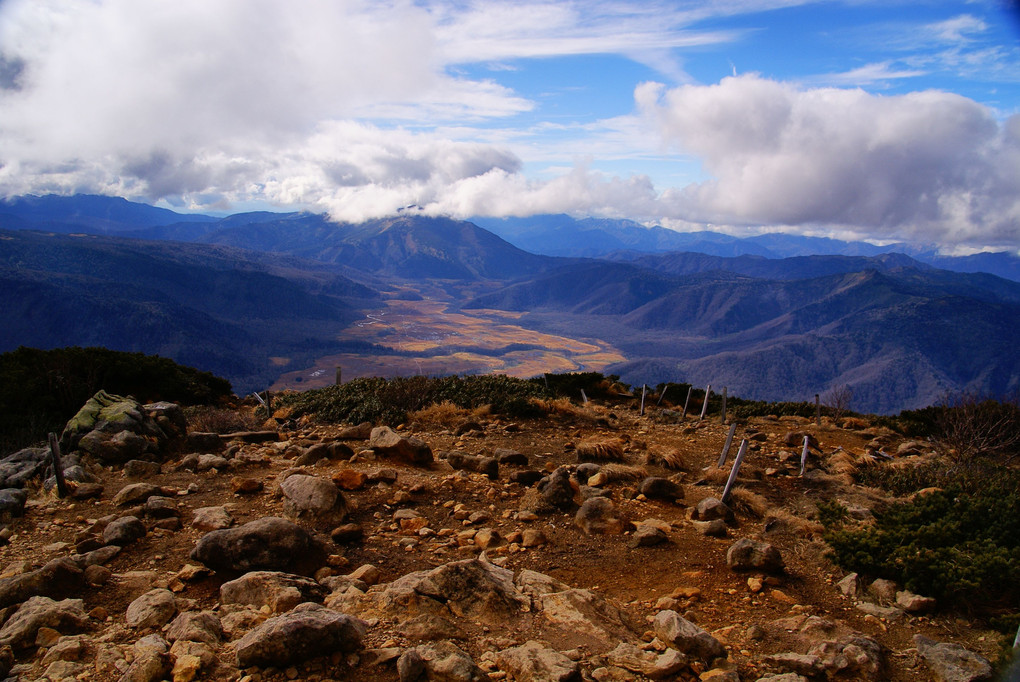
(597, 516)
(652, 665)
(313, 498)
(18, 468)
(686, 637)
(489, 466)
(152, 661)
(750, 555)
(709, 509)
(556, 489)
(279, 591)
(308, 631)
(67, 616)
(59, 578)
(12, 504)
(270, 543)
(949, 662)
(658, 488)
(388, 443)
(124, 531)
(538, 662)
(154, 609)
(196, 626)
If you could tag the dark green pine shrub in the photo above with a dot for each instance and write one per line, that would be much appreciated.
(961, 548)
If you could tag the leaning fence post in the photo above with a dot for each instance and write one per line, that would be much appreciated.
(803, 455)
(704, 404)
(818, 411)
(644, 390)
(662, 395)
(584, 397)
(722, 415)
(687, 402)
(726, 447)
(58, 469)
(733, 472)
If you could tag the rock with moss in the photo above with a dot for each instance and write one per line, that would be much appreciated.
(115, 429)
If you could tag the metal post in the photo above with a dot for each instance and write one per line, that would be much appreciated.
(584, 397)
(726, 447)
(644, 390)
(704, 404)
(803, 455)
(661, 395)
(58, 469)
(722, 415)
(687, 402)
(733, 472)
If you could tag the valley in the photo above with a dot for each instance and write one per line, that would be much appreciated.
(431, 337)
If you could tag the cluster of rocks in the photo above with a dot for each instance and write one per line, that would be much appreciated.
(286, 604)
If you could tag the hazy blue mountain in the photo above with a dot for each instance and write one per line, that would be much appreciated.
(214, 308)
(90, 213)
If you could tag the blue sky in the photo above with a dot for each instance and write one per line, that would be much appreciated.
(858, 119)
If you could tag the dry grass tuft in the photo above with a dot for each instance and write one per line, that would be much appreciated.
(565, 408)
(717, 475)
(623, 472)
(207, 419)
(600, 450)
(673, 459)
(446, 414)
(780, 520)
(747, 503)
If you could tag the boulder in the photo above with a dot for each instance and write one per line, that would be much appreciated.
(709, 509)
(124, 531)
(556, 489)
(750, 555)
(196, 626)
(914, 603)
(307, 631)
(651, 664)
(154, 609)
(539, 662)
(686, 637)
(59, 578)
(115, 429)
(212, 518)
(12, 504)
(279, 591)
(947, 662)
(648, 535)
(314, 498)
(152, 661)
(137, 468)
(269, 543)
(388, 443)
(20, 630)
(19, 467)
(489, 466)
(136, 493)
(446, 662)
(657, 488)
(597, 516)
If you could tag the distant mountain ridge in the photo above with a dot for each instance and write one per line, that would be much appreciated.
(245, 294)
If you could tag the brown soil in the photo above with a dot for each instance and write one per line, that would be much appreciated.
(635, 579)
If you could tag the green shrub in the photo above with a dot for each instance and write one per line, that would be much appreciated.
(832, 514)
(963, 549)
(390, 400)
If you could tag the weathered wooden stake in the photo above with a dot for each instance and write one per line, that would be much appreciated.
(584, 397)
(722, 415)
(818, 411)
(726, 447)
(1016, 642)
(704, 404)
(733, 472)
(661, 395)
(687, 402)
(338, 375)
(58, 469)
(644, 390)
(803, 455)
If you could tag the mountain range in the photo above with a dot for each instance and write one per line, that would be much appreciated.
(235, 294)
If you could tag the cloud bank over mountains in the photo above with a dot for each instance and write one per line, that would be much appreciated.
(361, 108)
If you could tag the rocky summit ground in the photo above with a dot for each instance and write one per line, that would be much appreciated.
(582, 545)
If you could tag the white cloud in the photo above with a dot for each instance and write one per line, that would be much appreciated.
(925, 165)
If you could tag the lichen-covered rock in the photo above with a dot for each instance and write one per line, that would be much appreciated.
(115, 429)
(308, 631)
(950, 662)
(269, 543)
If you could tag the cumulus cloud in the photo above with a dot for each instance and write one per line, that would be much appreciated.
(928, 165)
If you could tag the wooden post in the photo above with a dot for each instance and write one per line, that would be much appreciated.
(338, 376)
(722, 414)
(661, 395)
(733, 472)
(704, 404)
(687, 402)
(584, 397)
(58, 468)
(803, 455)
(644, 390)
(818, 411)
(269, 405)
(726, 447)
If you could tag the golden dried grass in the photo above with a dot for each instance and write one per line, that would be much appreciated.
(672, 459)
(623, 472)
(745, 502)
(600, 450)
